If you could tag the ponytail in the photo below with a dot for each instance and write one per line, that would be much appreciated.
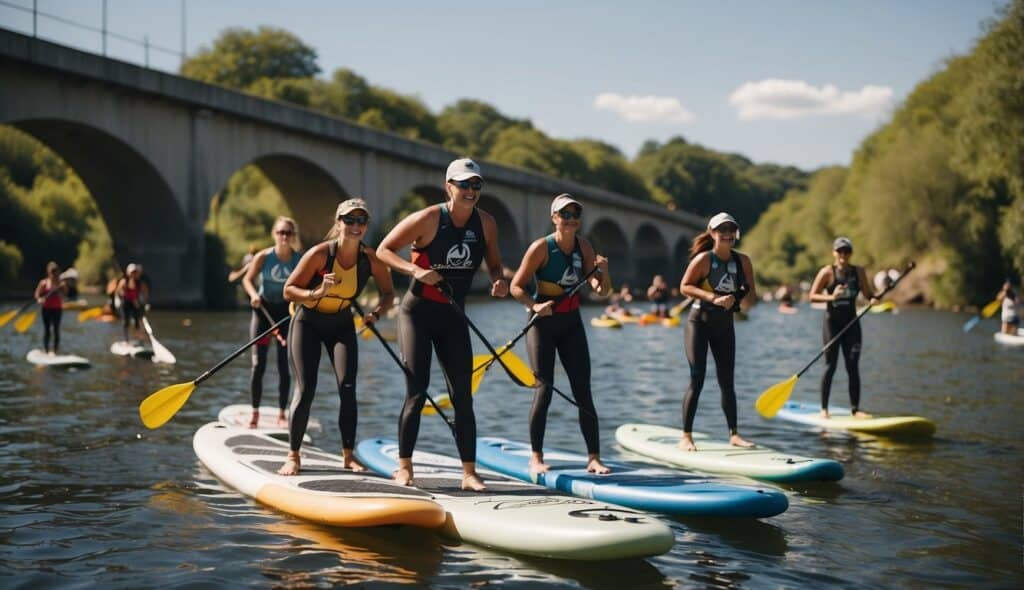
(702, 243)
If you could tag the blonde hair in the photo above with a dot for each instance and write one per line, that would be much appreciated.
(294, 242)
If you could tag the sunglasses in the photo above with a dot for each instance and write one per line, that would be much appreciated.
(846, 251)
(727, 228)
(473, 184)
(354, 219)
(570, 214)
(284, 232)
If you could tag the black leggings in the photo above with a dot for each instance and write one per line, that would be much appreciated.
(564, 333)
(423, 323)
(130, 311)
(51, 319)
(336, 332)
(257, 325)
(850, 343)
(710, 328)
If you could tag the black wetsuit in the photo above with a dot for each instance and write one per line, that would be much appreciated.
(563, 332)
(712, 326)
(327, 322)
(838, 314)
(52, 310)
(428, 318)
(273, 276)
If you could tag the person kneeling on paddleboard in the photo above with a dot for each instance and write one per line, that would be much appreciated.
(837, 285)
(328, 277)
(559, 262)
(718, 278)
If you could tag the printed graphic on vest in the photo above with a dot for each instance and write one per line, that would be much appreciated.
(459, 256)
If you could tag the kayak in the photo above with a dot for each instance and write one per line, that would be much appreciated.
(605, 322)
(893, 426)
(672, 322)
(67, 361)
(524, 518)
(1009, 339)
(648, 319)
(132, 349)
(240, 414)
(661, 443)
(628, 319)
(641, 488)
(323, 492)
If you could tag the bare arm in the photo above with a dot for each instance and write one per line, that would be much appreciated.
(382, 276)
(866, 286)
(534, 258)
(415, 230)
(695, 271)
(249, 280)
(492, 256)
(748, 271)
(818, 293)
(600, 283)
(295, 287)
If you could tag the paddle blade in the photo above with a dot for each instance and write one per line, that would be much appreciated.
(160, 407)
(969, 324)
(774, 397)
(7, 317)
(443, 401)
(24, 322)
(516, 368)
(481, 363)
(160, 352)
(991, 309)
(89, 314)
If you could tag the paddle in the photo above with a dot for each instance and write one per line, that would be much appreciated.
(89, 314)
(408, 372)
(986, 312)
(483, 362)
(161, 406)
(771, 401)
(25, 321)
(160, 352)
(277, 333)
(680, 307)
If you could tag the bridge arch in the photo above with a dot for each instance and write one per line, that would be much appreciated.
(508, 230)
(610, 241)
(651, 254)
(680, 258)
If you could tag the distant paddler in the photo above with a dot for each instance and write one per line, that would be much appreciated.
(838, 285)
(133, 293)
(48, 294)
(1008, 298)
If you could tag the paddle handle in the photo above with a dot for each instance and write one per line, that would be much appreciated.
(235, 354)
(906, 271)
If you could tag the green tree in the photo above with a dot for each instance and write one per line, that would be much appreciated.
(239, 58)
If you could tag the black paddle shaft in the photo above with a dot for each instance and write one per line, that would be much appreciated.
(405, 369)
(534, 317)
(235, 354)
(835, 338)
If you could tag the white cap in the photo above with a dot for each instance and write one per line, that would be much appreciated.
(562, 201)
(131, 268)
(721, 218)
(462, 169)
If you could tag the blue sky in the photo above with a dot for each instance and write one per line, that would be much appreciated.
(791, 82)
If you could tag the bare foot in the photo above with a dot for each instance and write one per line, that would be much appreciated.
(472, 481)
(403, 475)
(737, 441)
(594, 465)
(282, 420)
(686, 443)
(291, 464)
(862, 415)
(824, 414)
(349, 461)
(255, 421)
(538, 467)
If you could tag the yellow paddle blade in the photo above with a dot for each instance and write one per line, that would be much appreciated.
(481, 363)
(774, 397)
(990, 309)
(160, 407)
(7, 317)
(358, 321)
(24, 322)
(517, 369)
(91, 313)
(443, 401)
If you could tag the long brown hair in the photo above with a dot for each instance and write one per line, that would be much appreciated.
(702, 243)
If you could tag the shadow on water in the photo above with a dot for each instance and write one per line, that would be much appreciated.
(744, 534)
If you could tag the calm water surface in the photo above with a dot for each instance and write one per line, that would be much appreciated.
(88, 496)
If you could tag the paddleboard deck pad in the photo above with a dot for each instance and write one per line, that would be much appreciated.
(524, 518)
(641, 488)
(241, 415)
(131, 349)
(69, 361)
(840, 419)
(661, 443)
(323, 492)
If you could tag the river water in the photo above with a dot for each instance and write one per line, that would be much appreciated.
(88, 496)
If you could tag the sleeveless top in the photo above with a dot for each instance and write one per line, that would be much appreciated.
(348, 282)
(1008, 313)
(53, 300)
(559, 274)
(131, 294)
(455, 253)
(724, 278)
(851, 281)
(274, 275)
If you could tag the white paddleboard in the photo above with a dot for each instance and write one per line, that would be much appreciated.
(662, 443)
(1009, 339)
(241, 414)
(42, 359)
(132, 349)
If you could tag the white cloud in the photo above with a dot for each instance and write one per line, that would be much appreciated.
(644, 109)
(789, 99)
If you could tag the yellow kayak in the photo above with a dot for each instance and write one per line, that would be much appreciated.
(673, 322)
(605, 322)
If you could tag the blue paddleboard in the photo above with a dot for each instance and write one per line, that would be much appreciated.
(644, 488)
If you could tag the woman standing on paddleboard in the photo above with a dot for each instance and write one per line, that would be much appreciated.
(837, 285)
(1008, 315)
(449, 241)
(558, 262)
(328, 277)
(271, 267)
(718, 278)
(48, 294)
(132, 292)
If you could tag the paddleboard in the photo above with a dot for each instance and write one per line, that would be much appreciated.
(241, 414)
(75, 305)
(893, 426)
(68, 361)
(524, 518)
(605, 323)
(323, 492)
(131, 349)
(641, 488)
(662, 443)
(1009, 339)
